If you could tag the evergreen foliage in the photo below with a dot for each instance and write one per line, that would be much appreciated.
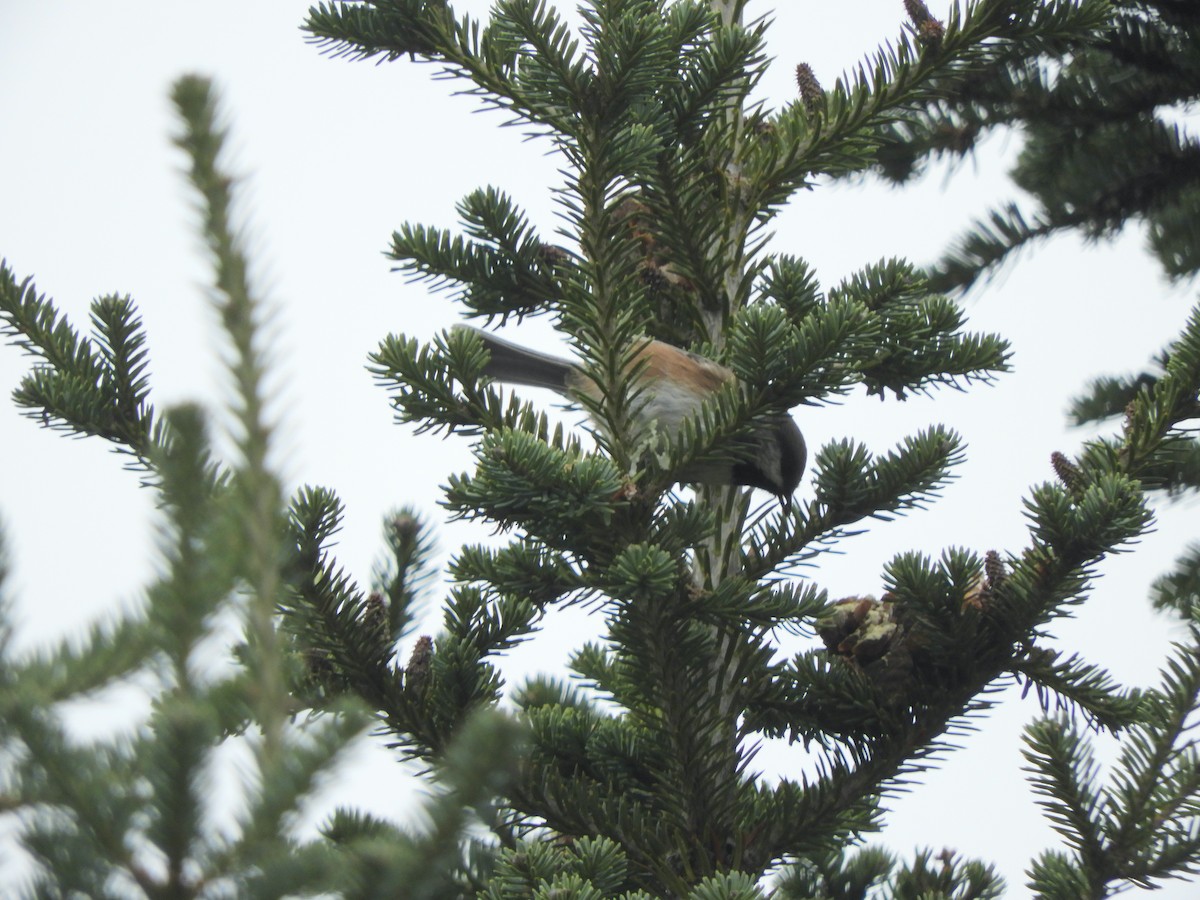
(634, 779)
(133, 814)
(1106, 144)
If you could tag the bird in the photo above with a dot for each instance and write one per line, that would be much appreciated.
(674, 383)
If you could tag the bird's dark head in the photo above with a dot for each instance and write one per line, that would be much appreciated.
(776, 462)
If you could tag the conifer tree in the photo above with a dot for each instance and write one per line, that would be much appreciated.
(1104, 142)
(634, 780)
(133, 815)
(1106, 145)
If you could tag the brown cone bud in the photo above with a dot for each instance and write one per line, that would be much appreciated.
(993, 570)
(929, 30)
(1068, 473)
(416, 673)
(917, 11)
(811, 93)
(983, 589)
(931, 33)
(374, 613)
(406, 526)
(553, 255)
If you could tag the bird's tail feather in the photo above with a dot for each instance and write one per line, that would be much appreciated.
(515, 364)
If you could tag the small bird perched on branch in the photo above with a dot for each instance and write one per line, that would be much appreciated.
(674, 384)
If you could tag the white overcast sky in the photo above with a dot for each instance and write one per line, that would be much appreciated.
(335, 155)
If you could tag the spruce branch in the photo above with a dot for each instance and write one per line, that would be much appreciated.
(1140, 828)
(948, 874)
(859, 105)
(562, 497)
(1102, 147)
(106, 653)
(1076, 684)
(471, 791)
(402, 577)
(991, 241)
(345, 641)
(364, 30)
(203, 139)
(440, 387)
(518, 61)
(89, 386)
(961, 661)
(1179, 590)
(522, 569)
(1065, 774)
(98, 812)
(134, 814)
(1156, 786)
(851, 486)
(505, 271)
